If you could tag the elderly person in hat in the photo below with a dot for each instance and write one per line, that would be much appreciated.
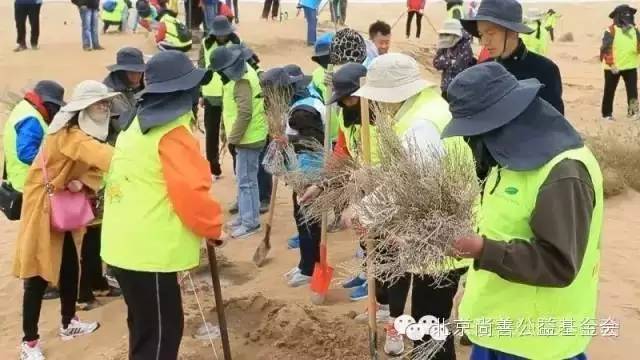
(246, 128)
(126, 77)
(157, 205)
(220, 34)
(498, 24)
(304, 123)
(537, 248)
(454, 53)
(73, 158)
(619, 56)
(537, 41)
(171, 33)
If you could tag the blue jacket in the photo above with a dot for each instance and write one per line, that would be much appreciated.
(311, 4)
(29, 135)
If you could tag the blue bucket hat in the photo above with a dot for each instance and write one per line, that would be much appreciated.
(171, 71)
(322, 46)
(229, 61)
(298, 77)
(346, 81)
(128, 59)
(504, 13)
(221, 26)
(50, 91)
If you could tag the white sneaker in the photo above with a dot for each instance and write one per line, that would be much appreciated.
(289, 274)
(382, 315)
(78, 328)
(393, 342)
(299, 280)
(608, 118)
(31, 352)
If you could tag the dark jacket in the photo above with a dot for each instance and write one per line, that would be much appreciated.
(308, 123)
(91, 4)
(524, 64)
(28, 2)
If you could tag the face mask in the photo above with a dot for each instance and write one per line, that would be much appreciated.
(195, 94)
(224, 77)
(95, 122)
(350, 115)
(484, 159)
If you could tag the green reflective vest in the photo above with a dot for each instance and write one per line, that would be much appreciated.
(257, 129)
(336, 113)
(172, 32)
(544, 323)
(625, 49)
(456, 12)
(538, 45)
(17, 170)
(214, 87)
(140, 229)
(115, 15)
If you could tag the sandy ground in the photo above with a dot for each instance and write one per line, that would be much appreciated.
(268, 320)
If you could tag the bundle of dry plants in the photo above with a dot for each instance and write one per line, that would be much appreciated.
(279, 155)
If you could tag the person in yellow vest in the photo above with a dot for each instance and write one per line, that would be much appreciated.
(221, 34)
(550, 21)
(537, 247)
(157, 205)
(619, 55)
(171, 33)
(246, 129)
(115, 13)
(538, 40)
(394, 81)
(455, 9)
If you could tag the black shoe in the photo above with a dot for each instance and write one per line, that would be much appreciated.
(51, 293)
(216, 170)
(111, 292)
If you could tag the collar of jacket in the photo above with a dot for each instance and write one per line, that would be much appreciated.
(520, 53)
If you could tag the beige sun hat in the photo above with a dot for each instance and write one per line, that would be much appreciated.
(393, 78)
(84, 95)
(451, 27)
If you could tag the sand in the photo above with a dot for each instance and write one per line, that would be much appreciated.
(267, 319)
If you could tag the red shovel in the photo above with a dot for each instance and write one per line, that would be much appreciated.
(322, 272)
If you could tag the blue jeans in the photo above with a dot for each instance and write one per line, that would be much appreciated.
(247, 164)
(89, 18)
(312, 22)
(482, 353)
(210, 12)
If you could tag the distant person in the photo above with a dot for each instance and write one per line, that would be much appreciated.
(379, 39)
(210, 10)
(89, 11)
(415, 8)
(538, 40)
(234, 9)
(498, 24)
(550, 22)
(310, 8)
(454, 53)
(194, 15)
(619, 55)
(454, 9)
(115, 13)
(24, 9)
(338, 9)
(272, 6)
(172, 34)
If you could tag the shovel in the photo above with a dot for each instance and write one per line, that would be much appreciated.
(322, 272)
(371, 282)
(217, 293)
(265, 245)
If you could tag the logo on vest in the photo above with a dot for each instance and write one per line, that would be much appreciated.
(427, 325)
(511, 190)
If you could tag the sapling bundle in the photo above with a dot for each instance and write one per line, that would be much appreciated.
(279, 155)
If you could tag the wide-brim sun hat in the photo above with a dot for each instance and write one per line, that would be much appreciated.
(504, 13)
(221, 26)
(393, 78)
(50, 92)
(128, 59)
(622, 8)
(486, 97)
(171, 71)
(224, 57)
(346, 81)
(86, 94)
(298, 78)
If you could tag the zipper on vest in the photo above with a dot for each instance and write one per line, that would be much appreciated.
(497, 181)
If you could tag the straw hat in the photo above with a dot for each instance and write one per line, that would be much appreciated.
(393, 78)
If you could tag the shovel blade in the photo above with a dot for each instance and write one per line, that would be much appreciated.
(321, 278)
(263, 249)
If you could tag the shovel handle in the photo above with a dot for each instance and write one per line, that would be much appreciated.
(272, 207)
(217, 293)
(327, 152)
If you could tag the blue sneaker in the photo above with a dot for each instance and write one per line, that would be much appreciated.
(359, 293)
(353, 282)
(293, 242)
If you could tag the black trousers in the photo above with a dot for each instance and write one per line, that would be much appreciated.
(32, 12)
(91, 277)
(309, 240)
(611, 80)
(107, 24)
(274, 6)
(35, 287)
(212, 119)
(154, 313)
(193, 13)
(418, 23)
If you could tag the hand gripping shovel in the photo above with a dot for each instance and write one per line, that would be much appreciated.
(265, 245)
(322, 272)
(371, 282)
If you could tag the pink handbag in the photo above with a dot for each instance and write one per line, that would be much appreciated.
(69, 211)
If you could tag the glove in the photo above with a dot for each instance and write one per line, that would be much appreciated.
(614, 70)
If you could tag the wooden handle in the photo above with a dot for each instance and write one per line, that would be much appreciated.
(327, 152)
(217, 293)
(365, 128)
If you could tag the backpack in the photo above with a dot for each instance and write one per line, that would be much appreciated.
(109, 5)
(183, 33)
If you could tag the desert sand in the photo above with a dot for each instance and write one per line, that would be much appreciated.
(267, 319)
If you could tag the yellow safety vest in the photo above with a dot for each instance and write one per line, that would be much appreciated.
(625, 49)
(336, 113)
(140, 229)
(257, 129)
(17, 170)
(214, 87)
(533, 322)
(534, 44)
(116, 14)
(172, 32)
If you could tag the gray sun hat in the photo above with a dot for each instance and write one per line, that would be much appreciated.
(346, 81)
(247, 53)
(297, 76)
(230, 61)
(171, 71)
(50, 91)
(393, 78)
(486, 97)
(128, 59)
(221, 26)
(505, 13)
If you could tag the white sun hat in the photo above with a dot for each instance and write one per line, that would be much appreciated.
(393, 78)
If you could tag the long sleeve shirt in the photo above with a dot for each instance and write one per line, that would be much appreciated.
(243, 96)
(189, 183)
(455, 60)
(560, 222)
(29, 135)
